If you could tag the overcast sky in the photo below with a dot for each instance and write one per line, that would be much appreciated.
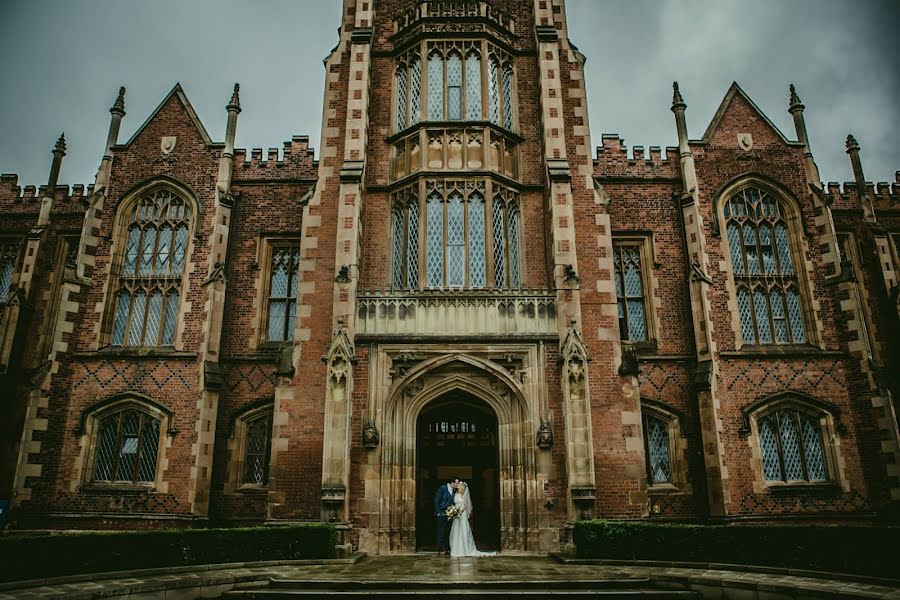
(62, 61)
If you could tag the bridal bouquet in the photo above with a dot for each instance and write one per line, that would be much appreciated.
(451, 513)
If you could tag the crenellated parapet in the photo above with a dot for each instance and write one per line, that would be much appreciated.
(296, 160)
(615, 161)
(845, 196)
(16, 199)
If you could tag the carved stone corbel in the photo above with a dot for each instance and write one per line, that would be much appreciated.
(545, 436)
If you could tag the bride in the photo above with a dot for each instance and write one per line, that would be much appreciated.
(462, 542)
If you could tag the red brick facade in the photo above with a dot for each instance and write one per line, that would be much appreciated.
(340, 446)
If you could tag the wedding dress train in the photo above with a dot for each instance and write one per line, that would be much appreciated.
(462, 542)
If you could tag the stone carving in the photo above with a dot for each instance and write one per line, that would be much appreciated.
(167, 144)
(630, 365)
(545, 435)
(579, 442)
(745, 141)
(370, 438)
(339, 358)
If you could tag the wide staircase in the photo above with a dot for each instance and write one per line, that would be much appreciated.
(440, 590)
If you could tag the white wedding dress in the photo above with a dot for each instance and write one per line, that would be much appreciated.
(462, 542)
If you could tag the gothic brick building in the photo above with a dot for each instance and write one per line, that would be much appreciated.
(458, 285)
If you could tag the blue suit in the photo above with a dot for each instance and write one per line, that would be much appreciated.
(443, 498)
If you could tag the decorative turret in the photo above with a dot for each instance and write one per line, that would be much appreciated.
(227, 159)
(117, 111)
(688, 173)
(865, 200)
(796, 109)
(59, 151)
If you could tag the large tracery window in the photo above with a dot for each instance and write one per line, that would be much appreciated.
(632, 305)
(768, 290)
(127, 447)
(157, 231)
(453, 86)
(468, 242)
(791, 446)
(283, 281)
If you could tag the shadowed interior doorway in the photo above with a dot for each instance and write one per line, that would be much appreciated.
(457, 437)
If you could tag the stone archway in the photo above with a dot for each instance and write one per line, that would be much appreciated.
(456, 437)
(520, 492)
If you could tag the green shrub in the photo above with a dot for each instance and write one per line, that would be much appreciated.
(58, 555)
(859, 550)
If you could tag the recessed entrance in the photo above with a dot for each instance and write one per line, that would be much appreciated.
(457, 437)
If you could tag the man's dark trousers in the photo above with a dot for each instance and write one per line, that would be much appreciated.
(442, 500)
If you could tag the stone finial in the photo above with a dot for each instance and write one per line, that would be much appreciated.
(60, 148)
(677, 98)
(119, 105)
(795, 99)
(235, 103)
(852, 144)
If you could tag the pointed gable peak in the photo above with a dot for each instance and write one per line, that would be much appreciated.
(177, 92)
(737, 92)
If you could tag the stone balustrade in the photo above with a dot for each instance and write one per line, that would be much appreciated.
(456, 313)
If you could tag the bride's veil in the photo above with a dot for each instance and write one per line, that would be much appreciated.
(469, 507)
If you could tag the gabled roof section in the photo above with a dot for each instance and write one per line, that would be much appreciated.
(733, 91)
(177, 91)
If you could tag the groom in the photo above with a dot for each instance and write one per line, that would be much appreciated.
(443, 498)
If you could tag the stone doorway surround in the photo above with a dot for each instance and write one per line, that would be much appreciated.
(403, 380)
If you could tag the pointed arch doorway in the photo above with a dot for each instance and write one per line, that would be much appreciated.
(457, 436)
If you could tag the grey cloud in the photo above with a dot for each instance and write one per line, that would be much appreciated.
(62, 63)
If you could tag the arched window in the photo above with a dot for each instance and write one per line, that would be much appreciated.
(257, 449)
(405, 240)
(791, 445)
(283, 281)
(768, 290)
(435, 86)
(658, 451)
(494, 88)
(127, 446)
(156, 230)
(506, 226)
(402, 96)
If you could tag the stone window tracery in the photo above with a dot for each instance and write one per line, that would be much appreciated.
(127, 446)
(282, 301)
(156, 232)
(768, 290)
(454, 84)
(257, 449)
(630, 291)
(465, 237)
(791, 446)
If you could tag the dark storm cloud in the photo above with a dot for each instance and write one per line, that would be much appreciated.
(62, 62)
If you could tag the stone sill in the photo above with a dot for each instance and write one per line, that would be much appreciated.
(824, 486)
(665, 490)
(775, 352)
(138, 352)
(118, 488)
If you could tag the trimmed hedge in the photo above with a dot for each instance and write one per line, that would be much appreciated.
(45, 556)
(838, 549)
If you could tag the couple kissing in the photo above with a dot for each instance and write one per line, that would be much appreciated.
(453, 509)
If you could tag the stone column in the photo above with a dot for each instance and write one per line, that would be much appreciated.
(706, 376)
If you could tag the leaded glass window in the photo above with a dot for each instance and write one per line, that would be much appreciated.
(477, 264)
(768, 290)
(435, 241)
(630, 291)
(791, 446)
(156, 238)
(473, 87)
(283, 282)
(508, 96)
(405, 243)
(494, 89)
(402, 96)
(257, 449)
(435, 87)
(454, 84)
(506, 224)
(127, 447)
(657, 449)
(9, 255)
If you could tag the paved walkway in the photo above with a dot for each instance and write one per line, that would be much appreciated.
(211, 582)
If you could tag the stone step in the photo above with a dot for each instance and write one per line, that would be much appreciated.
(439, 590)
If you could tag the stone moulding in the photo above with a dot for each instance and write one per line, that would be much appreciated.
(436, 313)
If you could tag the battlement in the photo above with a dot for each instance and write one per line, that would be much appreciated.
(846, 195)
(296, 160)
(19, 199)
(615, 160)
